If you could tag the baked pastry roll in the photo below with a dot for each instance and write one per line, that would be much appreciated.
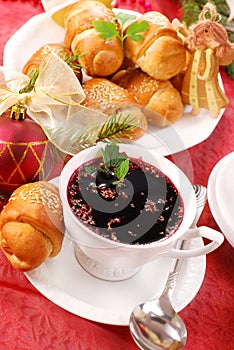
(31, 225)
(101, 57)
(161, 53)
(35, 60)
(156, 95)
(107, 97)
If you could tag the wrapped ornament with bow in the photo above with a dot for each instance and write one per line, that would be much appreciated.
(52, 98)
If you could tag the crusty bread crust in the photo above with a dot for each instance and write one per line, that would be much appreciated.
(161, 54)
(37, 57)
(159, 96)
(101, 57)
(31, 225)
(108, 97)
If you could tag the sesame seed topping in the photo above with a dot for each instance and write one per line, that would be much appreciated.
(40, 194)
(103, 94)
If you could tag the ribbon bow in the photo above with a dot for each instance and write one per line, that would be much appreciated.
(53, 102)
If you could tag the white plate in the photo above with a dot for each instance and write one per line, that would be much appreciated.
(41, 30)
(66, 284)
(221, 195)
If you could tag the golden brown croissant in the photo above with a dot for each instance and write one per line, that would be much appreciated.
(107, 97)
(64, 53)
(161, 54)
(156, 95)
(101, 57)
(31, 225)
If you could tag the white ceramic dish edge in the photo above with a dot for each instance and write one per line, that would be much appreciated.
(187, 132)
(214, 192)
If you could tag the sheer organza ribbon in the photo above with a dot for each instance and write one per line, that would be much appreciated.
(54, 103)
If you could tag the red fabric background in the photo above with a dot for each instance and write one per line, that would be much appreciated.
(30, 321)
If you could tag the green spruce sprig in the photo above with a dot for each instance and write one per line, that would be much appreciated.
(73, 60)
(33, 75)
(108, 30)
(117, 127)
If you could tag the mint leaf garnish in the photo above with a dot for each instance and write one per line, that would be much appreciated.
(135, 28)
(108, 30)
(112, 158)
(121, 171)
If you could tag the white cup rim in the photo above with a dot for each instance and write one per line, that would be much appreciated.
(189, 202)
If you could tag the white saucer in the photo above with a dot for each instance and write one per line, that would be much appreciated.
(220, 192)
(65, 283)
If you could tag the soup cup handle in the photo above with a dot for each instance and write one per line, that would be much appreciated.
(214, 236)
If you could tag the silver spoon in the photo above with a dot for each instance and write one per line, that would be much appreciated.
(154, 325)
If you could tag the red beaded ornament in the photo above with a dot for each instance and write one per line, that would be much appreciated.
(26, 154)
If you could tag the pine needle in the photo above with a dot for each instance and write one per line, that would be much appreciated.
(73, 60)
(117, 127)
(33, 75)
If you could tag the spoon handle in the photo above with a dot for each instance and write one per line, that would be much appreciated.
(201, 197)
(176, 268)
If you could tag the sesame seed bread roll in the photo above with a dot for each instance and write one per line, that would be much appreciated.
(161, 54)
(35, 60)
(159, 96)
(31, 225)
(76, 15)
(107, 97)
(101, 57)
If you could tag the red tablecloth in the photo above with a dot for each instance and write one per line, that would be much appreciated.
(30, 321)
